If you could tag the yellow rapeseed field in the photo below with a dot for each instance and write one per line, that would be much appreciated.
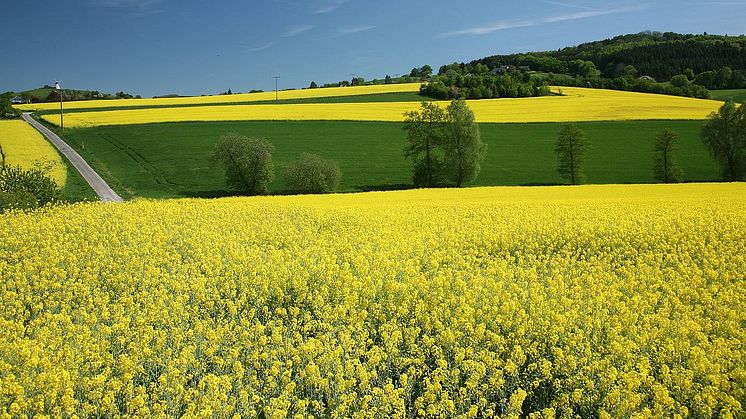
(241, 97)
(577, 104)
(24, 146)
(591, 301)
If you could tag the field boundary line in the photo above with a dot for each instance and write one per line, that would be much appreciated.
(97, 183)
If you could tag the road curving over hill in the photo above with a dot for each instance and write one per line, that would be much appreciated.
(102, 189)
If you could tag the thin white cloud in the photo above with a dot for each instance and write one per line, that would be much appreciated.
(511, 24)
(132, 8)
(718, 3)
(581, 15)
(326, 9)
(356, 29)
(289, 32)
(497, 26)
(296, 30)
(259, 48)
(330, 6)
(136, 4)
(568, 5)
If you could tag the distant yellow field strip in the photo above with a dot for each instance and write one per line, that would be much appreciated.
(242, 97)
(23, 146)
(577, 104)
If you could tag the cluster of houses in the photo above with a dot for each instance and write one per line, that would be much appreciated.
(17, 100)
(503, 69)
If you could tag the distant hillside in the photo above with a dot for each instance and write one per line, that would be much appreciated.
(649, 62)
(655, 54)
(49, 94)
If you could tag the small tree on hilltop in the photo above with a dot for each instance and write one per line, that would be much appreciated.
(425, 130)
(463, 146)
(666, 169)
(247, 162)
(570, 148)
(724, 135)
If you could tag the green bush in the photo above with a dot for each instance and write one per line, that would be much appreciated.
(27, 189)
(429, 176)
(247, 162)
(17, 200)
(312, 174)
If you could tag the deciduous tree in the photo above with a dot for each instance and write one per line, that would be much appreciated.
(7, 111)
(464, 150)
(724, 135)
(311, 173)
(680, 81)
(570, 148)
(666, 169)
(247, 162)
(425, 131)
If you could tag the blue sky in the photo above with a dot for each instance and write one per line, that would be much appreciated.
(155, 47)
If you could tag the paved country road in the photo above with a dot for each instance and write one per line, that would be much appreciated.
(104, 192)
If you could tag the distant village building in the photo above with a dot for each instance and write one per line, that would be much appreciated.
(503, 69)
(647, 78)
(17, 100)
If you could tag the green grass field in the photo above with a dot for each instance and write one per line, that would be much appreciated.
(738, 95)
(76, 188)
(40, 93)
(171, 160)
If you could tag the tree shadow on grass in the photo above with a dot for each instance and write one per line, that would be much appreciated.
(392, 187)
(220, 193)
(543, 184)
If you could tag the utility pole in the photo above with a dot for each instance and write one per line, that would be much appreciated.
(277, 95)
(62, 116)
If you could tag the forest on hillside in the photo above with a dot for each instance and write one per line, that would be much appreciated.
(654, 54)
(650, 62)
